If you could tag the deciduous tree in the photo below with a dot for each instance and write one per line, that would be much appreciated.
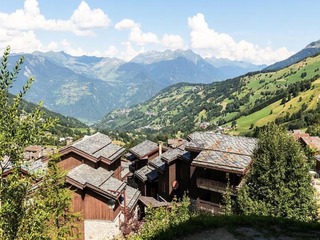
(278, 184)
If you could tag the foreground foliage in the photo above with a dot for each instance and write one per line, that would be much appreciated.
(32, 206)
(278, 184)
(198, 222)
(164, 220)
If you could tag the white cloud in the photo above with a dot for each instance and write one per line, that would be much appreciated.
(17, 28)
(172, 41)
(82, 21)
(126, 24)
(112, 51)
(129, 52)
(210, 43)
(136, 35)
(20, 41)
(85, 18)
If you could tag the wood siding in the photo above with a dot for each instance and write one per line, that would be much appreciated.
(72, 160)
(114, 166)
(96, 207)
(183, 177)
(172, 178)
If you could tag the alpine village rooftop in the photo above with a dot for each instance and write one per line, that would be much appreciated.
(200, 167)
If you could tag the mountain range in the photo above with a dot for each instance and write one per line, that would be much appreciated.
(88, 87)
(285, 95)
(311, 49)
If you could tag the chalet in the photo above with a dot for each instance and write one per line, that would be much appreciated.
(96, 151)
(216, 160)
(34, 152)
(313, 143)
(94, 175)
(162, 176)
(142, 153)
(200, 167)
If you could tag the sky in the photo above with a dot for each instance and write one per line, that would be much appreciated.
(260, 32)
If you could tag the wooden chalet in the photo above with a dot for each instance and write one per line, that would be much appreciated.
(94, 173)
(313, 143)
(96, 151)
(141, 154)
(216, 160)
(165, 176)
(200, 167)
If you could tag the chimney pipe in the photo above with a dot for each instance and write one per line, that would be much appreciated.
(160, 147)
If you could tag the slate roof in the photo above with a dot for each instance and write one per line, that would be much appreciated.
(98, 179)
(158, 164)
(152, 202)
(172, 154)
(167, 157)
(312, 142)
(99, 145)
(132, 196)
(222, 152)
(35, 167)
(298, 134)
(147, 173)
(143, 149)
(223, 161)
(219, 142)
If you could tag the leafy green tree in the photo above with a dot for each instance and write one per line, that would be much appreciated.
(50, 215)
(162, 219)
(227, 200)
(278, 184)
(27, 211)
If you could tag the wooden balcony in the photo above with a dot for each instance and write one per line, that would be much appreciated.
(215, 186)
(210, 207)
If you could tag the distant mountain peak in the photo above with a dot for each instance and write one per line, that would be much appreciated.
(315, 44)
(310, 50)
(167, 55)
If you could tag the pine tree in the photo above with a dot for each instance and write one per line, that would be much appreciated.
(278, 184)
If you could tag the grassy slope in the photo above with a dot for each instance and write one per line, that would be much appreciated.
(183, 107)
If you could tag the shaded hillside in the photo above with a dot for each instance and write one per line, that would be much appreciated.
(251, 100)
(64, 121)
(88, 87)
(310, 50)
(64, 127)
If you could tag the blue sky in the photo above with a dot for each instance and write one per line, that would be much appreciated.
(254, 31)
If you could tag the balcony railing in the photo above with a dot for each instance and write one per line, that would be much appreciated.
(213, 208)
(215, 186)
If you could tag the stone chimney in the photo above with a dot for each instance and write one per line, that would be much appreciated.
(160, 147)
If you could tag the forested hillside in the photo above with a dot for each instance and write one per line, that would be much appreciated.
(66, 126)
(288, 96)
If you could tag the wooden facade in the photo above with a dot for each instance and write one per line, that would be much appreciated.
(92, 202)
(72, 160)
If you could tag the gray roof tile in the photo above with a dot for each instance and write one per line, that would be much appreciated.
(223, 161)
(99, 145)
(222, 152)
(147, 173)
(158, 163)
(221, 142)
(132, 196)
(144, 148)
(99, 178)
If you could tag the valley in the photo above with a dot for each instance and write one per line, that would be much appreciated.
(89, 87)
(288, 96)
